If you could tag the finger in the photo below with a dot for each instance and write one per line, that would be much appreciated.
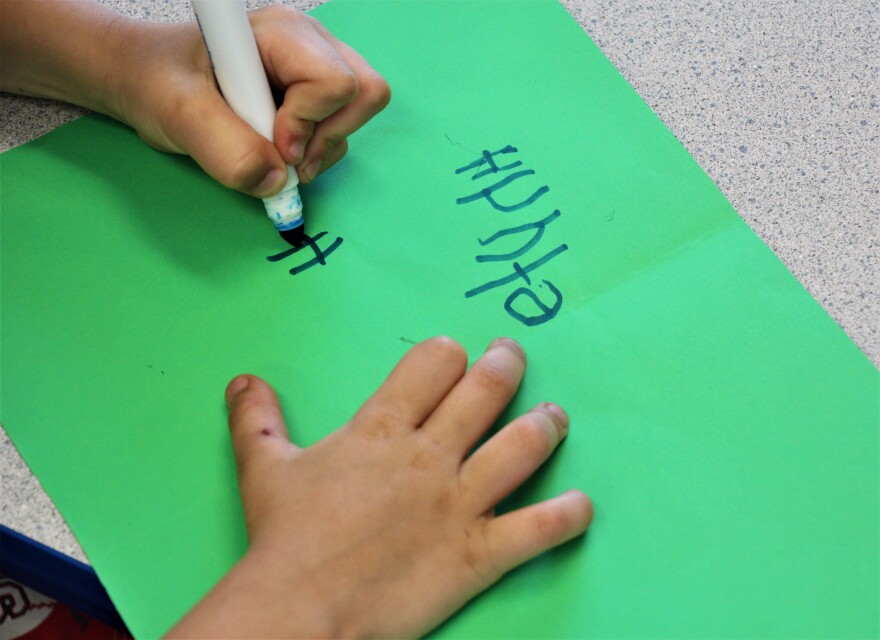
(512, 455)
(373, 95)
(239, 158)
(520, 535)
(414, 387)
(315, 78)
(483, 393)
(333, 156)
(255, 420)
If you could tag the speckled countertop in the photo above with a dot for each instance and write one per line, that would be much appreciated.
(777, 100)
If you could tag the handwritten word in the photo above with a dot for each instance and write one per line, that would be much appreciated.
(320, 255)
(523, 303)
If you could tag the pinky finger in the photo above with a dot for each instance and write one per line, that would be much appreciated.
(520, 535)
(333, 156)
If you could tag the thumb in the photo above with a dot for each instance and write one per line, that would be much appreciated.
(228, 149)
(256, 423)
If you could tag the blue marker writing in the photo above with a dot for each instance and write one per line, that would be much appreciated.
(242, 79)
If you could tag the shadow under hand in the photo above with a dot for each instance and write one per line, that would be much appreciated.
(166, 199)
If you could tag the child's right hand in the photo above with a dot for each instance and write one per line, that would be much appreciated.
(157, 78)
(175, 105)
(386, 527)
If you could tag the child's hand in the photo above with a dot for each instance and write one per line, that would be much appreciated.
(157, 78)
(386, 527)
(328, 91)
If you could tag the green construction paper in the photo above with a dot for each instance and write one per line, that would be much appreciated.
(725, 427)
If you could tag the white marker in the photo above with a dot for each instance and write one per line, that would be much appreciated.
(242, 79)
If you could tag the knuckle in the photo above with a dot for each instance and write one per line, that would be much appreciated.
(532, 438)
(245, 170)
(300, 130)
(375, 91)
(477, 557)
(379, 421)
(329, 141)
(422, 460)
(245, 160)
(276, 13)
(342, 86)
(337, 152)
(444, 503)
(243, 408)
(552, 524)
(493, 377)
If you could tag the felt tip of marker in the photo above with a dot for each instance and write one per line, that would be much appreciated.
(294, 237)
(285, 211)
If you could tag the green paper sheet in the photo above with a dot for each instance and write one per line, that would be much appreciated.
(725, 427)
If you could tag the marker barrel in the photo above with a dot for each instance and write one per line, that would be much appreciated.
(242, 79)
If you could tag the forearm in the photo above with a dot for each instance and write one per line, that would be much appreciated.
(69, 50)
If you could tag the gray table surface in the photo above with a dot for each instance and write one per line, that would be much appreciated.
(776, 99)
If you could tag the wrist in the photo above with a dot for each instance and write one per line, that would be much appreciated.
(104, 87)
(316, 603)
(67, 51)
(264, 596)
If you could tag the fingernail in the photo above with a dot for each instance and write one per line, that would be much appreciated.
(238, 384)
(311, 170)
(296, 150)
(507, 343)
(559, 416)
(273, 181)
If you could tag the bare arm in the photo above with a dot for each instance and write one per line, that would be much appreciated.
(69, 51)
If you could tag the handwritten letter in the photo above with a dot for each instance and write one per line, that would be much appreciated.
(523, 303)
(320, 255)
